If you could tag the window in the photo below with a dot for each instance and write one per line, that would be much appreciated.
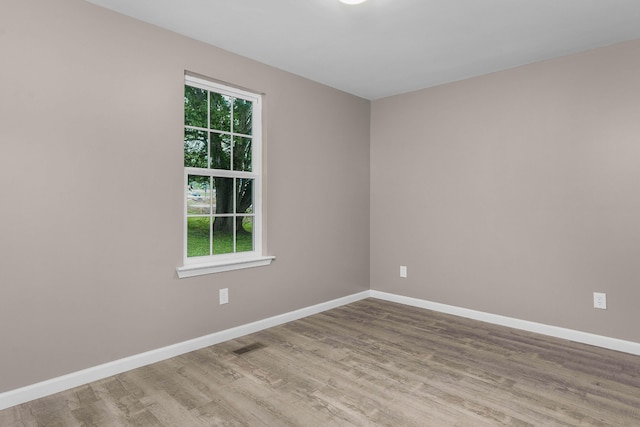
(222, 178)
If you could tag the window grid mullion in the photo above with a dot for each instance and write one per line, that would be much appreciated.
(221, 132)
(211, 216)
(233, 218)
(233, 137)
(222, 173)
(211, 213)
(233, 204)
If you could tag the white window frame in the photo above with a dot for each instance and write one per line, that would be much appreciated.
(196, 266)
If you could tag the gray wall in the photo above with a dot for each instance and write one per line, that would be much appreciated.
(515, 193)
(91, 191)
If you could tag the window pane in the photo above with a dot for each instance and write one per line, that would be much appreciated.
(198, 240)
(198, 195)
(242, 154)
(222, 195)
(244, 235)
(223, 235)
(244, 195)
(195, 148)
(220, 112)
(220, 151)
(195, 107)
(242, 116)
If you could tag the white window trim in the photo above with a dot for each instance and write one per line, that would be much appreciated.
(197, 266)
(192, 270)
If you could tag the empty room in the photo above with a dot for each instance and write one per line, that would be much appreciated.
(319, 213)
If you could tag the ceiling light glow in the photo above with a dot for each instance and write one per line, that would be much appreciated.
(352, 1)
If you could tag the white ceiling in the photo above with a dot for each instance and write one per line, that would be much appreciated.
(386, 47)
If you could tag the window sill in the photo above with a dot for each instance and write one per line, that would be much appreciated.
(219, 267)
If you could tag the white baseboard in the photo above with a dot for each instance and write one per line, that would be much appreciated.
(75, 379)
(553, 331)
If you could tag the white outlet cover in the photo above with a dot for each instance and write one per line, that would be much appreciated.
(403, 271)
(600, 300)
(224, 296)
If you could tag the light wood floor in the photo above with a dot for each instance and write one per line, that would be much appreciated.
(366, 364)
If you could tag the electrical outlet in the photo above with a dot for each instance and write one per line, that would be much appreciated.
(403, 271)
(224, 296)
(600, 300)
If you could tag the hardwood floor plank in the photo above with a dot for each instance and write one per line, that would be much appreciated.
(370, 363)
